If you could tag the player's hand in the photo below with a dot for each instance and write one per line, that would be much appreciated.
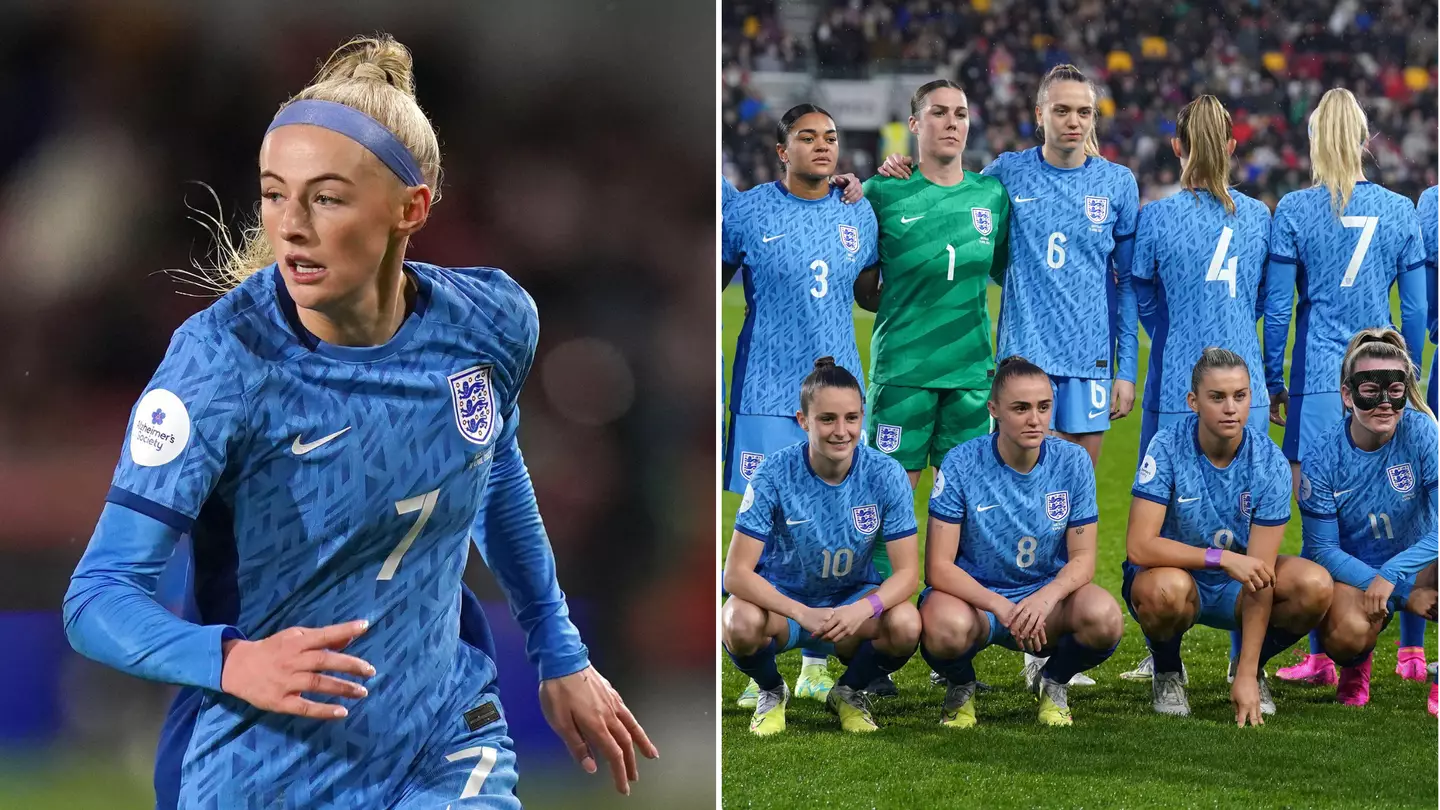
(1279, 406)
(813, 620)
(272, 673)
(1422, 602)
(1029, 619)
(897, 165)
(1122, 399)
(1245, 697)
(851, 190)
(1252, 572)
(1376, 598)
(590, 716)
(845, 621)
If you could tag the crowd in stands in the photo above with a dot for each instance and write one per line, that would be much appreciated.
(1268, 62)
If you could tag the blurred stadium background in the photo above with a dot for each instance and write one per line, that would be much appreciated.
(561, 127)
(1268, 61)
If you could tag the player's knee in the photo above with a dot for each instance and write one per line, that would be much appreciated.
(1312, 591)
(949, 633)
(743, 625)
(1098, 623)
(1346, 635)
(901, 627)
(1162, 601)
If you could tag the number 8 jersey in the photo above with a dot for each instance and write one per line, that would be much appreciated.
(820, 537)
(1013, 524)
(799, 260)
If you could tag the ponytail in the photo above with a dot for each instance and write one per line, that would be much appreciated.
(1338, 134)
(1204, 129)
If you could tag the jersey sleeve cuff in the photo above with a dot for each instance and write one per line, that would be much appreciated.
(1415, 266)
(1317, 515)
(1270, 521)
(1140, 493)
(761, 536)
(1083, 521)
(901, 535)
(1121, 237)
(222, 633)
(1278, 259)
(561, 666)
(944, 517)
(178, 521)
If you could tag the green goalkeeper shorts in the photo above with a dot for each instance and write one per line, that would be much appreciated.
(916, 425)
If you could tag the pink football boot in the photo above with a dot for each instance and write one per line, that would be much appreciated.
(1410, 664)
(1354, 688)
(1313, 670)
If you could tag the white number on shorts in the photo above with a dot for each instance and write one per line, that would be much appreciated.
(1223, 539)
(1025, 552)
(425, 505)
(950, 274)
(819, 292)
(1358, 257)
(838, 565)
(1055, 254)
(1097, 394)
(1375, 526)
(1220, 270)
(478, 776)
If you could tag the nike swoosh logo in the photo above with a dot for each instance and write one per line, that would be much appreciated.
(300, 448)
(1094, 414)
(789, 522)
(1338, 493)
(768, 239)
(908, 220)
(986, 508)
(1188, 500)
(1026, 199)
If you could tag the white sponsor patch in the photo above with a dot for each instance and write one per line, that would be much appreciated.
(749, 499)
(939, 484)
(1147, 470)
(1306, 490)
(161, 429)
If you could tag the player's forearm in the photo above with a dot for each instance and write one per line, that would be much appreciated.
(1409, 562)
(1079, 570)
(867, 289)
(954, 580)
(1146, 305)
(758, 591)
(1413, 312)
(1254, 623)
(511, 538)
(904, 574)
(1321, 537)
(111, 615)
(1162, 552)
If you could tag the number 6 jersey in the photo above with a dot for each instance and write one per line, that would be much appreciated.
(819, 537)
(323, 484)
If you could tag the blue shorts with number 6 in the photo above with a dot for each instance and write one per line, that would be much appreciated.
(1081, 406)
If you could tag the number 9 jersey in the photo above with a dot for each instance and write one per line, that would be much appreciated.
(819, 537)
(799, 260)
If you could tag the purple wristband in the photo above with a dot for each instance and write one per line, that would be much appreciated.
(1212, 557)
(876, 605)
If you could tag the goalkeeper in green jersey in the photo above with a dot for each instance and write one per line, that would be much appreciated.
(943, 231)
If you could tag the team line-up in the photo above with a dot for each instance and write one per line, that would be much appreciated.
(824, 555)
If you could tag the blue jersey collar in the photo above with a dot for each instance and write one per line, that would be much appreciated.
(854, 462)
(785, 192)
(1239, 448)
(355, 354)
(1040, 157)
(999, 459)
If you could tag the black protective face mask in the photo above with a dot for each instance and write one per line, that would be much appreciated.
(1383, 378)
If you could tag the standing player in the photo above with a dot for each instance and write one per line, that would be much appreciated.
(1067, 304)
(1010, 554)
(1342, 243)
(800, 566)
(1209, 512)
(943, 231)
(1367, 502)
(1198, 267)
(330, 433)
(799, 248)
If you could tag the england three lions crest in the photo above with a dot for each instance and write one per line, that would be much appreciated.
(1097, 209)
(867, 518)
(1401, 477)
(1057, 505)
(1245, 504)
(983, 220)
(850, 238)
(887, 438)
(474, 400)
(749, 463)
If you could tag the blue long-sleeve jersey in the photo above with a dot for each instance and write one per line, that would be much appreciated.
(322, 484)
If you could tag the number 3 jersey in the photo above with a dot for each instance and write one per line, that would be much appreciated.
(1013, 524)
(1208, 506)
(323, 484)
(819, 537)
(799, 260)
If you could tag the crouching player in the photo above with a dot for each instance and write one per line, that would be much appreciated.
(1010, 554)
(1367, 502)
(1212, 498)
(800, 567)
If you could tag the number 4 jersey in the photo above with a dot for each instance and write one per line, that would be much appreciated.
(799, 260)
(938, 244)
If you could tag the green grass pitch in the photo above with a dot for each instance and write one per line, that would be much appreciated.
(1312, 753)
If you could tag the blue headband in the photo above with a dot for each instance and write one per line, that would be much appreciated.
(358, 127)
